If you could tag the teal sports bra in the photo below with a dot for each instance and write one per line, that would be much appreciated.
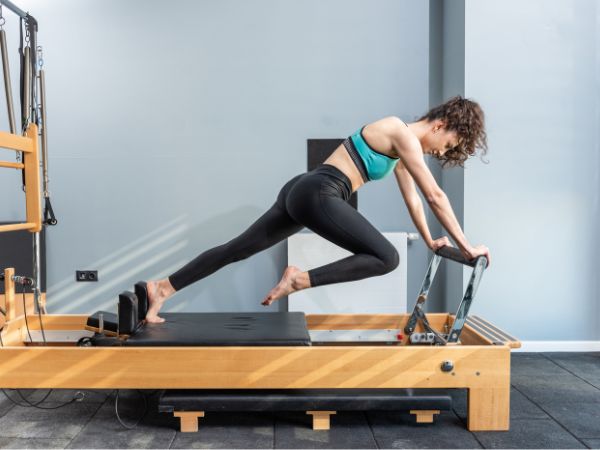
(376, 165)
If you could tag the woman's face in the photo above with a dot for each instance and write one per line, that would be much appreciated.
(439, 140)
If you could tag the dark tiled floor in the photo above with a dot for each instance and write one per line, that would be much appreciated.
(555, 403)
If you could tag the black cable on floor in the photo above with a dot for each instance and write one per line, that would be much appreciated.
(25, 313)
(123, 424)
(39, 311)
(79, 396)
(3, 312)
(13, 401)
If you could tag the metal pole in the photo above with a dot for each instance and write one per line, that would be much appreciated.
(37, 276)
(25, 107)
(7, 84)
(44, 133)
(14, 8)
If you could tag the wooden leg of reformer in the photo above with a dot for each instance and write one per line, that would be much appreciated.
(189, 420)
(489, 409)
(425, 415)
(321, 419)
(9, 294)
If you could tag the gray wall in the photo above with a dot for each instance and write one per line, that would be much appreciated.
(534, 66)
(173, 125)
(452, 179)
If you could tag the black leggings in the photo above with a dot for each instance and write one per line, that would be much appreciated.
(317, 200)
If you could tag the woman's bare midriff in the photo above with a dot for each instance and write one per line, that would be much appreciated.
(377, 135)
(341, 160)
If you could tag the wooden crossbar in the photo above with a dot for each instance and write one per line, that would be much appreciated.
(12, 165)
(17, 226)
(11, 141)
(32, 180)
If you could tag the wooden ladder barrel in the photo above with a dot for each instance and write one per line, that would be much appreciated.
(27, 144)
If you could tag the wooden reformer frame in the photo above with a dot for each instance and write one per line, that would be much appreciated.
(480, 364)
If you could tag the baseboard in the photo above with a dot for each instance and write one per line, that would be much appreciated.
(559, 346)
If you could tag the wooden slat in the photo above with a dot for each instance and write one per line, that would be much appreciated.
(253, 367)
(495, 331)
(13, 333)
(353, 321)
(368, 321)
(12, 165)
(188, 420)
(10, 141)
(64, 322)
(18, 226)
(492, 337)
(32, 181)
(484, 370)
(424, 415)
(321, 419)
(469, 336)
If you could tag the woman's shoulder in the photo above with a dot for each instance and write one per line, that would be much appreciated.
(394, 132)
(391, 127)
(388, 123)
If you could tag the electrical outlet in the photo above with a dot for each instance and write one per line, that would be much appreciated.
(86, 275)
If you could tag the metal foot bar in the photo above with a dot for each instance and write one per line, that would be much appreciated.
(418, 315)
(425, 286)
(465, 304)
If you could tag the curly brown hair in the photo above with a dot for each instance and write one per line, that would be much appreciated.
(466, 118)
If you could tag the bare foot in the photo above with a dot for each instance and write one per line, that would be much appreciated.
(158, 293)
(293, 280)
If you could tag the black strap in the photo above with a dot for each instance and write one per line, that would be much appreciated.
(49, 217)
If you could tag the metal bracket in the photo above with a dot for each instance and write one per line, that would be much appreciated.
(418, 315)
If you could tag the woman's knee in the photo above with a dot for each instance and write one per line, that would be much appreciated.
(390, 259)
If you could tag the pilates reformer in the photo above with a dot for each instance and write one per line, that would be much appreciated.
(273, 361)
(263, 329)
(245, 361)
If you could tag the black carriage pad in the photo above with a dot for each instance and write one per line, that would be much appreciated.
(224, 329)
(304, 400)
(141, 292)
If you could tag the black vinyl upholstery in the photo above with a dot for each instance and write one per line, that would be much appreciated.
(141, 292)
(303, 399)
(223, 329)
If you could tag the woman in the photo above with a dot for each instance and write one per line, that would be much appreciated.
(318, 200)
